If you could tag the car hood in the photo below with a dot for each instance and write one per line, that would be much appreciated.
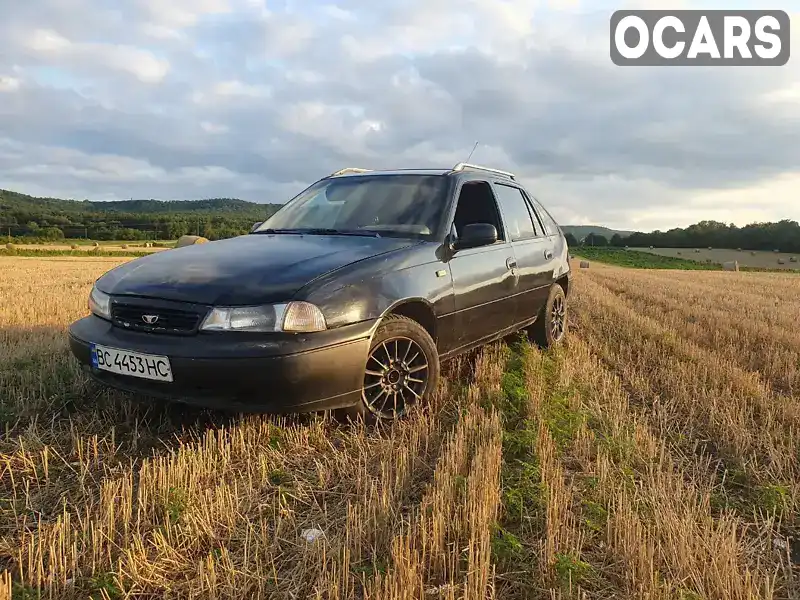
(249, 269)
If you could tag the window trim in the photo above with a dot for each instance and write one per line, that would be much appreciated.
(502, 234)
(534, 206)
(534, 218)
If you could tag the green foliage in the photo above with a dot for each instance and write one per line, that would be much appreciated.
(774, 498)
(562, 420)
(641, 260)
(595, 240)
(506, 547)
(104, 582)
(51, 219)
(570, 570)
(783, 235)
(370, 568)
(176, 503)
(20, 591)
(594, 515)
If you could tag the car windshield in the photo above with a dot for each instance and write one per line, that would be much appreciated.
(385, 205)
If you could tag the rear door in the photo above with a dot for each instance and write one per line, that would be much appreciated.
(557, 242)
(533, 251)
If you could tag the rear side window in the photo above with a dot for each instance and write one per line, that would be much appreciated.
(548, 222)
(515, 212)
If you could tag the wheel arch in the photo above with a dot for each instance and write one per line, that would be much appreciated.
(417, 309)
(563, 281)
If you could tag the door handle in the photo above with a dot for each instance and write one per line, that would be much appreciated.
(511, 263)
(548, 254)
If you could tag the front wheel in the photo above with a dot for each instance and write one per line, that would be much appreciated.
(550, 328)
(401, 372)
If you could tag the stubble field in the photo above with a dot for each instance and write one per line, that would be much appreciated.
(656, 455)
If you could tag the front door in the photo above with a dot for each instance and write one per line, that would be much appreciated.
(485, 279)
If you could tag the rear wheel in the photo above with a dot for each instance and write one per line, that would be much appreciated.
(401, 372)
(550, 328)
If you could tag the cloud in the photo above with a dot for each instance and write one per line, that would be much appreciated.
(199, 98)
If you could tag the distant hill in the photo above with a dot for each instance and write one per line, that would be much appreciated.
(23, 216)
(581, 231)
(15, 201)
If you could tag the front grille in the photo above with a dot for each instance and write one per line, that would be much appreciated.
(169, 320)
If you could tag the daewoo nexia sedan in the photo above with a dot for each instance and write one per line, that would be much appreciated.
(348, 297)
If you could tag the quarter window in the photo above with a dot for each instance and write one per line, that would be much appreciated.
(548, 222)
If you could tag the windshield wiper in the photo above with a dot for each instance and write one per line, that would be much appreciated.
(322, 231)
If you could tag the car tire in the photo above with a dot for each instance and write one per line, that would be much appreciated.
(399, 339)
(550, 329)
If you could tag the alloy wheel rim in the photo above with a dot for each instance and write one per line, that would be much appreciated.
(395, 378)
(558, 318)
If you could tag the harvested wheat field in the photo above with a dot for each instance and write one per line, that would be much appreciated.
(655, 455)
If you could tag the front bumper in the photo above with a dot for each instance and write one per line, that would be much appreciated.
(239, 371)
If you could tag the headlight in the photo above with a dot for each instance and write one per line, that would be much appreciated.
(290, 317)
(100, 304)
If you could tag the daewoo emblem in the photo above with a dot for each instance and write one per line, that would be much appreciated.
(150, 319)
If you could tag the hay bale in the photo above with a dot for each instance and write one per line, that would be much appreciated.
(731, 265)
(793, 259)
(652, 247)
(9, 246)
(697, 250)
(752, 253)
(781, 261)
(74, 246)
(738, 249)
(776, 250)
(96, 244)
(124, 246)
(710, 248)
(190, 240)
(148, 245)
(584, 264)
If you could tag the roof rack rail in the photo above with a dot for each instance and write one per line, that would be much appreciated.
(349, 170)
(462, 165)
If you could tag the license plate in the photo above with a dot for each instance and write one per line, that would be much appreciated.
(135, 364)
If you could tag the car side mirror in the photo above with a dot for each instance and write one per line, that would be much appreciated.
(475, 235)
(255, 226)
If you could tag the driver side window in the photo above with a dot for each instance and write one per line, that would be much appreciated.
(476, 204)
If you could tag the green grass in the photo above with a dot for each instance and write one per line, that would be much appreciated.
(640, 260)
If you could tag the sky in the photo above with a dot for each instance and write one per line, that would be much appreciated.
(254, 99)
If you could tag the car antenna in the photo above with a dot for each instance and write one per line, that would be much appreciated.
(473, 150)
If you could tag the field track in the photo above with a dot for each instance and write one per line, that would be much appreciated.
(655, 456)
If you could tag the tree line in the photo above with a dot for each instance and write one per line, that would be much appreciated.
(783, 235)
(26, 218)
